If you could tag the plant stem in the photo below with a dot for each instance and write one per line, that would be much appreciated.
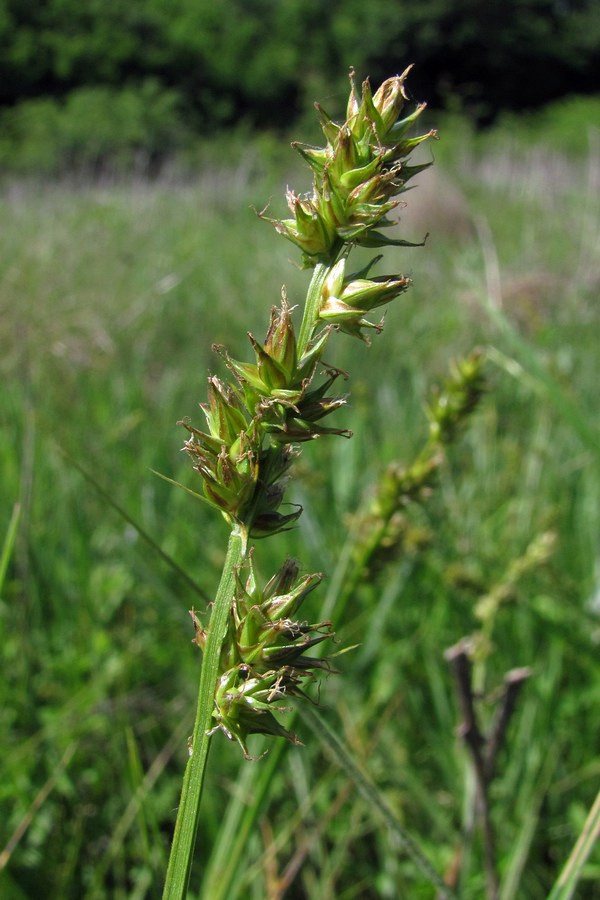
(188, 815)
(186, 826)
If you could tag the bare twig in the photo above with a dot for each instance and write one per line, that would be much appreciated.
(513, 682)
(469, 731)
(482, 748)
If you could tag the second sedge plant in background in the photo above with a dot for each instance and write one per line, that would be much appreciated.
(256, 652)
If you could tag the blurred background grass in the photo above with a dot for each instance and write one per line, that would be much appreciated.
(129, 246)
(112, 295)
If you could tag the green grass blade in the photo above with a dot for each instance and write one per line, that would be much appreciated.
(142, 533)
(9, 542)
(567, 881)
(239, 821)
(526, 366)
(35, 806)
(135, 805)
(182, 486)
(541, 778)
(338, 752)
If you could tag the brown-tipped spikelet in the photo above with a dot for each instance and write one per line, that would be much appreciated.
(358, 175)
(254, 421)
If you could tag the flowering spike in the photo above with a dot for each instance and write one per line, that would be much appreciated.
(265, 663)
(451, 406)
(256, 421)
(358, 175)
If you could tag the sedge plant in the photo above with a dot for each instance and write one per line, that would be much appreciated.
(257, 651)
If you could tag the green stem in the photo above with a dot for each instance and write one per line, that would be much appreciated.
(186, 826)
(311, 307)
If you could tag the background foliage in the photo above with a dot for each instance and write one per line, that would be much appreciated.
(112, 291)
(154, 72)
(111, 298)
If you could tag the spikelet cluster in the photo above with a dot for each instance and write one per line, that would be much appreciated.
(264, 659)
(257, 419)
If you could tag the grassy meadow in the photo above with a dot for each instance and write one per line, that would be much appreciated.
(111, 295)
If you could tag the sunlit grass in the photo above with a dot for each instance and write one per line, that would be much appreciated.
(110, 299)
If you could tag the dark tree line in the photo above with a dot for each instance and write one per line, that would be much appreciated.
(258, 59)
